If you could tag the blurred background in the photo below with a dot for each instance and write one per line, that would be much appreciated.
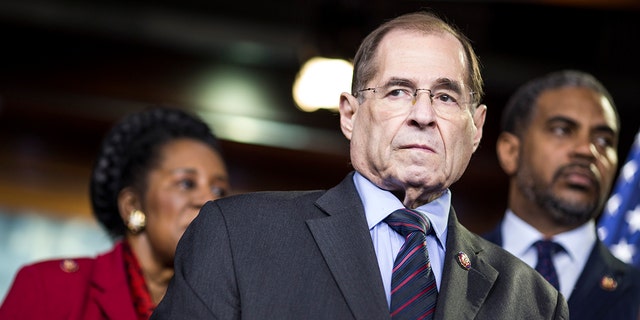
(69, 69)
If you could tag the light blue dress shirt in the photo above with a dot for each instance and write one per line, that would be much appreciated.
(378, 204)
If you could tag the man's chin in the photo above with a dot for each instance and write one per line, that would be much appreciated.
(575, 209)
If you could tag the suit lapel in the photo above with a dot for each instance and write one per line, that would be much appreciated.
(109, 289)
(588, 288)
(463, 291)
(344, 240)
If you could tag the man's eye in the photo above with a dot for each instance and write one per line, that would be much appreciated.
(398, 92)
(604, 142)
(445, 97)
(561, 131)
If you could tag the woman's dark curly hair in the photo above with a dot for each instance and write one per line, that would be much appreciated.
(130, 150)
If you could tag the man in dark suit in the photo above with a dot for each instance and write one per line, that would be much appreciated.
(413, 119)
(559, 147)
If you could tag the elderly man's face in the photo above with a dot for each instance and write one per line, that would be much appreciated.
(419, 150)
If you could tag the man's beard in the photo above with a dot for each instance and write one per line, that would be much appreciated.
(563, 211)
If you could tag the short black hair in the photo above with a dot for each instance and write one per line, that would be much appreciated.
(518, 112)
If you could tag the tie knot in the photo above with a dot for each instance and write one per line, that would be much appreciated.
(406, 221)
(547, 247)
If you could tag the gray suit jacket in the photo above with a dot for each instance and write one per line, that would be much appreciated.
(309, 255)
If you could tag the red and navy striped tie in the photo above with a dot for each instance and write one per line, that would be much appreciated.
(413, 286)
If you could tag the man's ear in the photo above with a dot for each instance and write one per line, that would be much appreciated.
(479, 116)
(348, 107)
(508, 150)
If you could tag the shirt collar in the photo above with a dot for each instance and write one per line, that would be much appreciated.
(379, 203)
(521, 236)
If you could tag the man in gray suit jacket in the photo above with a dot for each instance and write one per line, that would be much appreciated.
(413, 119)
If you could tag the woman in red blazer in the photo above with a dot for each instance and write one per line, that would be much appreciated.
(155, 169)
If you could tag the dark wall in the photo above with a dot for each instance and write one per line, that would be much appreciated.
(68, 70)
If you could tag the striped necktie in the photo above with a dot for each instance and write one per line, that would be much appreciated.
(413, 286)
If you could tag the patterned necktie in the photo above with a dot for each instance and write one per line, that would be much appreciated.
(413, 286)
(546, 250)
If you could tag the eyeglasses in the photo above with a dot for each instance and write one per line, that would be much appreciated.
(402, 97)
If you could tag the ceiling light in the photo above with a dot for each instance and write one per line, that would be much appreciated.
(320, 82)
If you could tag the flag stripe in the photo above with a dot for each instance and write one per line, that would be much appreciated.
(619, 225)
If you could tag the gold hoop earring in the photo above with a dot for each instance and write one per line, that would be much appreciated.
(136, 221)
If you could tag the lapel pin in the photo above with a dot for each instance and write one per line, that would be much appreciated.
(608, 283)
(69, 265)
(464, 261)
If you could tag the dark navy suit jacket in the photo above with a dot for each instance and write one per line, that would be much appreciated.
(590, 299)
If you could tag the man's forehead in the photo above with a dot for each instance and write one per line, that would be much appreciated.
(420, 57)
(580, 104)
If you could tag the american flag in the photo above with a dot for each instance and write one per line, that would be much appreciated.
(619, 225)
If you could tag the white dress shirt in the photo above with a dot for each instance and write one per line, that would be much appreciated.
(518, 238)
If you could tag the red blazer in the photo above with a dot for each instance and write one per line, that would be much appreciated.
(83, 288)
